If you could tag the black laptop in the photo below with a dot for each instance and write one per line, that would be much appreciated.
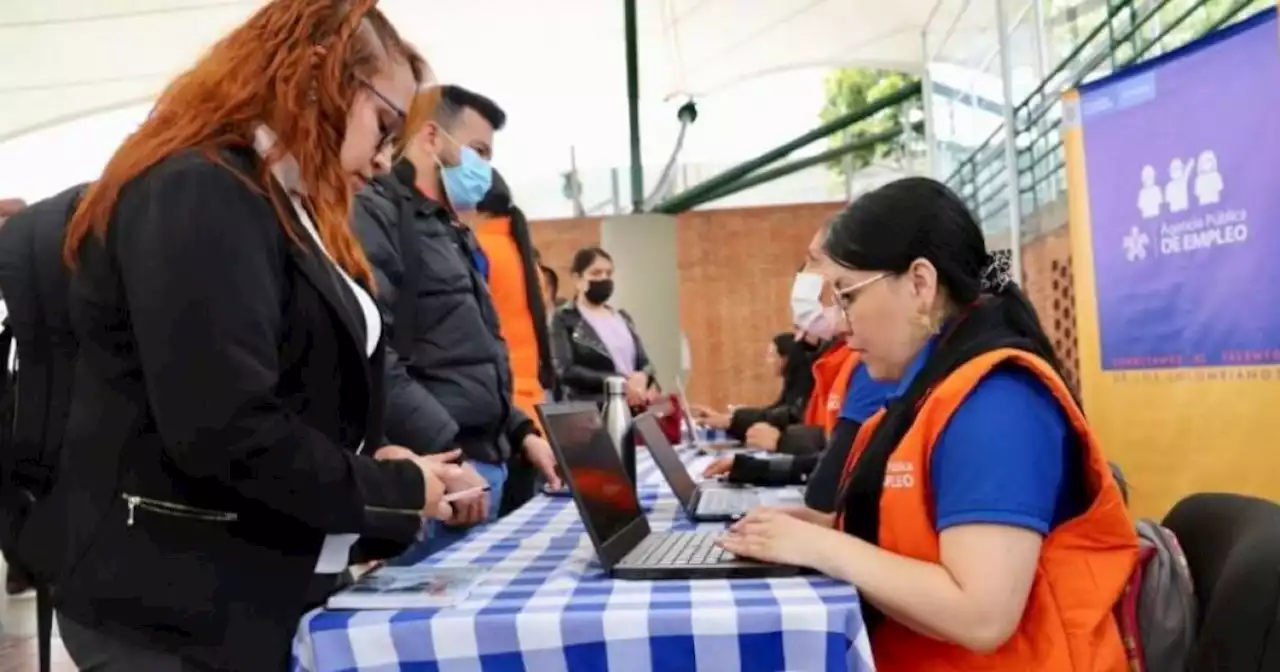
(610, 510)
(710, 501)
(691, 426)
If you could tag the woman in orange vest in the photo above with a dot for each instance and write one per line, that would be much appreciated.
(978, 518)
(844, 396)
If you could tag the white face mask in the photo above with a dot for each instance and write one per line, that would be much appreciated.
(806, 301)
(826, 326)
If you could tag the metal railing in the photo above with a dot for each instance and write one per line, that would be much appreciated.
(1116, 42)
(750, 173)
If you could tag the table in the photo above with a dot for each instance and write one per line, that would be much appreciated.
(545, 605)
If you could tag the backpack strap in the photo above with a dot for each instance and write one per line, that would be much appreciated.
(44, 626)
(8, 353)
(55, 355)
(33, 393)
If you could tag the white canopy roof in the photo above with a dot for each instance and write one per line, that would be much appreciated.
(64, 59)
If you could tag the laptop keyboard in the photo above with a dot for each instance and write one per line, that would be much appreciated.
(680, 549)
(725, 502)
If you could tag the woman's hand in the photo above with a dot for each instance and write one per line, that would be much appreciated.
(543, 459)
(635, 399)
(718, 467)
(710, 417)
(443, 470)
(772, 535)
(361, 569)
(802, 512)
(719, 421)
(764, 436)
(436, 469)
(637, 388)
(699, 411)
(471, 510)
(638, 381)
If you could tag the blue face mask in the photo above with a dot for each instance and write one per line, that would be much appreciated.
(467, 183)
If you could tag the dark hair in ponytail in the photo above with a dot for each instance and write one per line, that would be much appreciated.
(783, 343)
(918, 218)
(496, 201)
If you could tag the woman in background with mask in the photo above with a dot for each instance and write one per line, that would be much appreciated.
(844, 396)
(834, 367)
(593, 341)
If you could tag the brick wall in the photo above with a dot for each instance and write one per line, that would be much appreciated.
(736, 268)
(559, 239)
(1046, 267)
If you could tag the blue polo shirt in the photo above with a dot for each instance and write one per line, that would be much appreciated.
(1006, 457)
(866, 395)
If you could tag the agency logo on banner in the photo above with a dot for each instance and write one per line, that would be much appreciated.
(1184, 200)
(1205, 224)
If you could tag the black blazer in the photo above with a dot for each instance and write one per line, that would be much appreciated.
(221, 392)
(582, 360)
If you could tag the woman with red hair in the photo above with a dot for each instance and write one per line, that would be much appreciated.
(219, 456)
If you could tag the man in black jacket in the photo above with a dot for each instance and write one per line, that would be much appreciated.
(450, 383)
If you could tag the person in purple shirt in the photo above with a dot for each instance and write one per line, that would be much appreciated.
(593, 341)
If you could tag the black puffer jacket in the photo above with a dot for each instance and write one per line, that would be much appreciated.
(450, 384)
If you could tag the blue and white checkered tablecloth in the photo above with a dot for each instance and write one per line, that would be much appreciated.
(546, 605)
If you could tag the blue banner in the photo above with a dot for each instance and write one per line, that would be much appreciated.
(1184, 201)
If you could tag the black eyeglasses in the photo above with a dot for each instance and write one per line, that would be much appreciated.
(387, 131)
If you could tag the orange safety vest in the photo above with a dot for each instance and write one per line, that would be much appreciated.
(1084, 563)
(511, 301)
(832, 372)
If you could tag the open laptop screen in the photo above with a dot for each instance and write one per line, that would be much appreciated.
(665, 457)
(594, 469)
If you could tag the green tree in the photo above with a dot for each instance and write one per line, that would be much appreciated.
(1071, 20)
(850, 89)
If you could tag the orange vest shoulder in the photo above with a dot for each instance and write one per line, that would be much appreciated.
(831, 374)
(839, 390)
(1084, 562)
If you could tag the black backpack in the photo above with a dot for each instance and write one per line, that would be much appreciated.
(35, 394)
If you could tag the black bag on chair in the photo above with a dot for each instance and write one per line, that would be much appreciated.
(39, 348)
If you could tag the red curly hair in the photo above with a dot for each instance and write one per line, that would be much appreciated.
(295, 66)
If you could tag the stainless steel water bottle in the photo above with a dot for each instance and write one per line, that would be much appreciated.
(617, 422)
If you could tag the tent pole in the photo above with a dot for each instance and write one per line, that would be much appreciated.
(1014, 192)
(633, 105)
(930, 131)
